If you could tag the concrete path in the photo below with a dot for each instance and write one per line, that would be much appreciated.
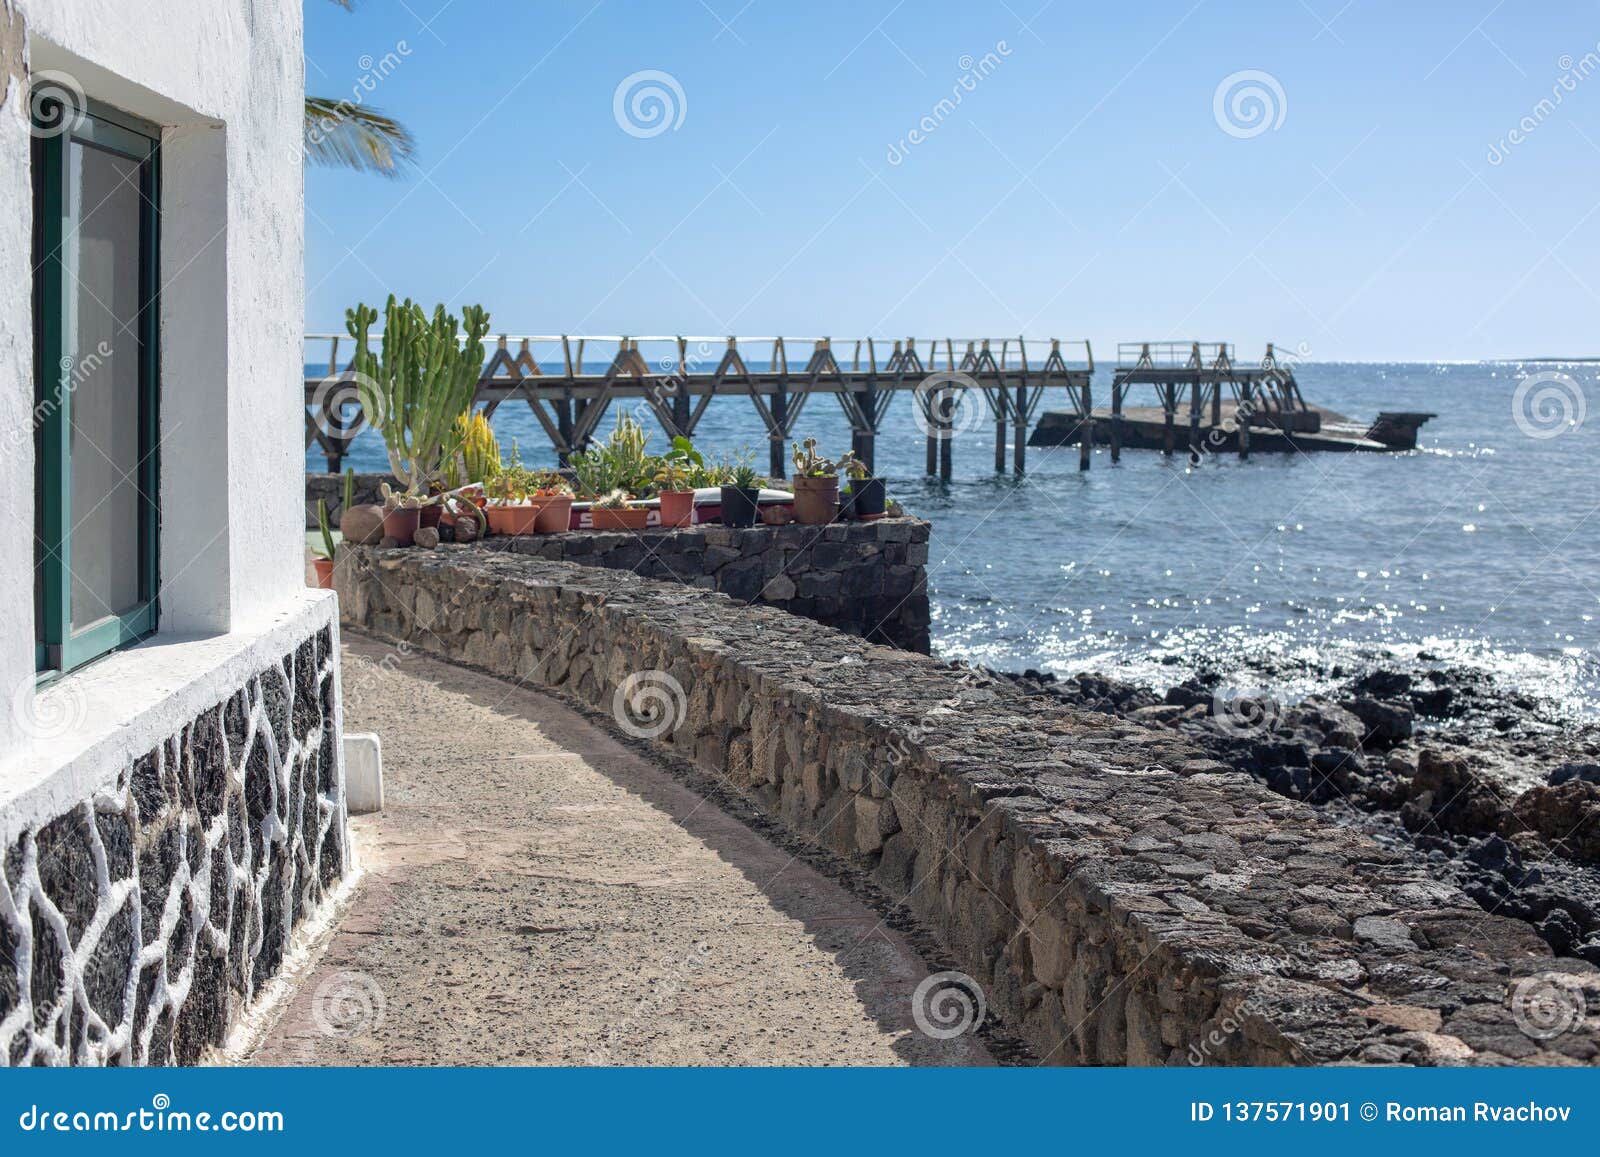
(537, 893)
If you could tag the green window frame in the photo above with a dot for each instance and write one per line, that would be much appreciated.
(59, 646)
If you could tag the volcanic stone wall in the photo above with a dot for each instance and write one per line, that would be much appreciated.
(865, 578)
(1117, 897)
(330, 489)
(136, 925)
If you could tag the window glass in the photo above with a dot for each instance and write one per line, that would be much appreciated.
(103, 349)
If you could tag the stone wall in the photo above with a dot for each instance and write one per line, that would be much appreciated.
(1116, 896)
(330, 488)
(136, 925)
(865, 578)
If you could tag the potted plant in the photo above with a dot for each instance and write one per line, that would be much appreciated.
(402, 514)
(323, 562)
(416, 389)
(554, 499)
(509, 510)
(867, 498)
(618, 463)
(480, 452)
(612, 512)
(741, 494)
(816, 485)
(674, 492)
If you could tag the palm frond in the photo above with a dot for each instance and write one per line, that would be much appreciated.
(346, 135)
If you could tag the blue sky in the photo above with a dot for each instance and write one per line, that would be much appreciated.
(1086, 186)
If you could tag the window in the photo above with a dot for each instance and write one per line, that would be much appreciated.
(95, 193)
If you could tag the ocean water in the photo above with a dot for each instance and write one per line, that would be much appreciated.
(1481, 548)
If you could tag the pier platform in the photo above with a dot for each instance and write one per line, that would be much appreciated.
(1147, 428)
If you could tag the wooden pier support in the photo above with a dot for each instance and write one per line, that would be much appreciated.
(947, 439)
(1086, 430)
(1194, 422)
(777, 460)
(1116, 421)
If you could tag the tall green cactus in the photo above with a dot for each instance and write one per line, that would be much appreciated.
(422, 380)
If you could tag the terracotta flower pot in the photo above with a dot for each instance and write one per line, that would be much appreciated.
(518, 519)
(618, 517)
(324, 569)
(816, 499)
(677, 507)
(431, 514)
(555, 516)
(401, 524)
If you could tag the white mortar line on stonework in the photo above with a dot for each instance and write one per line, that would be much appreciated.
(307, 945)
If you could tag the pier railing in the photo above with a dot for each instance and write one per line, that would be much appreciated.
(1261, 393)
(1173, 354)
(569, 382)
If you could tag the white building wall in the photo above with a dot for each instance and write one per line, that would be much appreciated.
(150, 758)
(225, 80)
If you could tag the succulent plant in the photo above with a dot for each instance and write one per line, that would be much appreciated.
(853, 466)
(480, 451)
(809, 464)
(325, 550)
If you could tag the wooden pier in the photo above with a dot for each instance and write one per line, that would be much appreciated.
(1230, 408)
(955, 386)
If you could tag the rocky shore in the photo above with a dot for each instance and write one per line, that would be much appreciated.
(1495, 791)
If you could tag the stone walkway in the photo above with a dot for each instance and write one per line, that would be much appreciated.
(538, 893)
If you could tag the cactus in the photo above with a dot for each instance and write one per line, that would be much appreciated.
(423, 379)
(326, 549)
(480, 452)
(349, 488)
